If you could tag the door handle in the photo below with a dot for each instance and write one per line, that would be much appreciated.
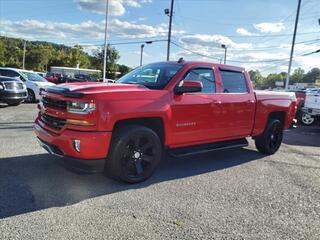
(216, 102)
(250, 101)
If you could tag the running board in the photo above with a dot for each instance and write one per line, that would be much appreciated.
(205, 148)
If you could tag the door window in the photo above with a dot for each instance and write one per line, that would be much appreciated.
(233, 82)
(204, 75)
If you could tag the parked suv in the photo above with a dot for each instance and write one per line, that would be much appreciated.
(31, 79)
(12, 91)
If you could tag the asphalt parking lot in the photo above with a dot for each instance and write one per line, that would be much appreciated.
(234, 194)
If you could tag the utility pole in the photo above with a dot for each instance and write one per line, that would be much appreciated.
(292, 46)
(225, 53)
(141, 54)
(105, 42)
(170, 14)
(24, 53)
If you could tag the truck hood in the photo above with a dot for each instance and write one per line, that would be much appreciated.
(79, 89)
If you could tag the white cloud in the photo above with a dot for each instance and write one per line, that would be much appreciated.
(132, 30)
(62, 32)
(116, 7)
(245, 32)
(213, 41)
(268, 27)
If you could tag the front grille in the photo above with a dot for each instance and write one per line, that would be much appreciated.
(53, 122)
(52, 103)
(13, 85)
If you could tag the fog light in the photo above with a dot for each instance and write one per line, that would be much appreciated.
(76, 145)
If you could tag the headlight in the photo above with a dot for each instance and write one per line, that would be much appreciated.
(80, 107)
(1, 87)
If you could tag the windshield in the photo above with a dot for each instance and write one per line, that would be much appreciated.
(34, 77)
(154, 76)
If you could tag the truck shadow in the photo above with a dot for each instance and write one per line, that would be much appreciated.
(303, 136)
(36, 182)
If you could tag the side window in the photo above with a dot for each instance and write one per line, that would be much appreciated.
(233, 82)
(204, 75)
(12, 74)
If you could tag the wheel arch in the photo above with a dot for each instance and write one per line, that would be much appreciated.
(154, 123)
(279, 115)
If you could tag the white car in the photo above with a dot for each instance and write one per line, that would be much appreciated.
(32, 80)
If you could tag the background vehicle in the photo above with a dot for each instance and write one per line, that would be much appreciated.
(12, 91)
(53, 77)
(42, 74)
(301, 116)
(81, 78)
(311, 108)
(179, 107)
(31, 79)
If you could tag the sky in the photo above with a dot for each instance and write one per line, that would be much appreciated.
(257, 33)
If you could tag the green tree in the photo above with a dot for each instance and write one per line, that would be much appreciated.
(297, 76)
(256, 78)
(312, 75)
(123, 69)
(272, 78)
(37, 57)
(112, 58)
(75, 56)
(2, 54)
(41, 55)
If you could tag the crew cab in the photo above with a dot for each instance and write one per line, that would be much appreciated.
(180, 108)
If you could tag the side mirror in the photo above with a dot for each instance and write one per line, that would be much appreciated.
(188, 87)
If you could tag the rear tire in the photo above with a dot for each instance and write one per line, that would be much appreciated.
(270, 140)
(135, 153)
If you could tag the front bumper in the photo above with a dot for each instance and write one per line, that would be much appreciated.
(13, 95)
(311, 111)
(94, 146)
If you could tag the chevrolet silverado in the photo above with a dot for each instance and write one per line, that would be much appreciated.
(180, 108)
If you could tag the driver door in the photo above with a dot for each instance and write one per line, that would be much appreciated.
(195, 116)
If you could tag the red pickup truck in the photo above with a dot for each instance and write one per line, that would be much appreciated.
(180, 108)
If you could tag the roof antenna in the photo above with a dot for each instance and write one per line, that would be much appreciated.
(181, 60)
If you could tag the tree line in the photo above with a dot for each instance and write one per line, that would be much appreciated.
(40, 56)
(298, 76)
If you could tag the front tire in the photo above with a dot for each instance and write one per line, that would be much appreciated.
(270, 140)
(135, 153)
(31, 96)
(307, 119)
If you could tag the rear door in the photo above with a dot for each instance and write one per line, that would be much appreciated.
(238, 103)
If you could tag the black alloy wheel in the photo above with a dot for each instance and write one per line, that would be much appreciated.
(270, 140)
(135, 153)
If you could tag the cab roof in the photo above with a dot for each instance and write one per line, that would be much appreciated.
(201, 63)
